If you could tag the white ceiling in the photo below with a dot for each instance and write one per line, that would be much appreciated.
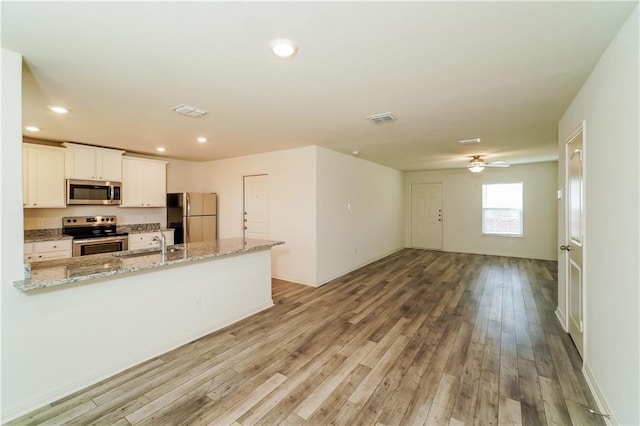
(501, 71)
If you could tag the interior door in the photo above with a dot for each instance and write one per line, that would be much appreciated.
(426, 216)
(575, 238)
(256, 207)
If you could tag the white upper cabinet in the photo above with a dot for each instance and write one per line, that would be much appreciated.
(92, 163)
(144, 182)
(43, 184)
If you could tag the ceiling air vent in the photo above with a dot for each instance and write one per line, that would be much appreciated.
(385, 117)
(189, 110)
(469, 141)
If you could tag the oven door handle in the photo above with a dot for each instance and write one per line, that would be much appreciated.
(100, 240)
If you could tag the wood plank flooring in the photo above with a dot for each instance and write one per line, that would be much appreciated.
(419, 337)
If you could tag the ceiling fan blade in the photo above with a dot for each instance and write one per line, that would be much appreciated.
(498, 164)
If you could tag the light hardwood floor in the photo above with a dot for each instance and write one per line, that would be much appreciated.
(419, 337)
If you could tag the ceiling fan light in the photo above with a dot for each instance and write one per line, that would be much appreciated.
(476, 165)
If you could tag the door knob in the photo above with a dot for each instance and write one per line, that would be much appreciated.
(567, 248)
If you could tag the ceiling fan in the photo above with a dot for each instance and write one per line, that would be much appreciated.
(477, 164)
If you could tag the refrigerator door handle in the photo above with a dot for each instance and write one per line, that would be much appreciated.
(186, 230)
(188, 205)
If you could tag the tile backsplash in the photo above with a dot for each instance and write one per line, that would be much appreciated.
(52, 218)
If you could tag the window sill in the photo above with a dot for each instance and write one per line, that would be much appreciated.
(503, 235)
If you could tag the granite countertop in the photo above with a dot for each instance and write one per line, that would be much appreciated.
(136, 231)
(67, 271)
(55, 234)
(40, 238)
(37, 235)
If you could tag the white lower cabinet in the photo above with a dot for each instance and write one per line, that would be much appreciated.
(47, 250)
(145, 239)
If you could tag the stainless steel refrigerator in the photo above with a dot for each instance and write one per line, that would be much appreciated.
(193, 216)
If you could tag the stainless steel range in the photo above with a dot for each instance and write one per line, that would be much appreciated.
(94, 234)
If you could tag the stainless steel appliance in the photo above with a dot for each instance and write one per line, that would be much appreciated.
(193, 216)
(94, 234)
(92, 192)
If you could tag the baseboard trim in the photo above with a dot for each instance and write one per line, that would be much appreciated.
(598, 396)
(368, 262)
(561, 319)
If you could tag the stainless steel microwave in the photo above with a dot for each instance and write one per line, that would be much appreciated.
(84, 192)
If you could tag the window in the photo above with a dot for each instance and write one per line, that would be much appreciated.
(502, 209)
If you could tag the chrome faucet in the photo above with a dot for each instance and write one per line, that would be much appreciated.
(163, 242)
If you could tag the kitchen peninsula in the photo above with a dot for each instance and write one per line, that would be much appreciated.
(68, 271)
(103, 313)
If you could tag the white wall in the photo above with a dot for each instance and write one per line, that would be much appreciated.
(608, 102)
(58, 341)
(11, 235)
(292, 180)
(462, 210)
(186, 176)
(360, 213)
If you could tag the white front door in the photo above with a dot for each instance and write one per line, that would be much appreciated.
(426, 216)
(256, 207)
(575, 237)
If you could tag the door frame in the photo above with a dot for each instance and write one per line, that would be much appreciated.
(242, 227)
(581, 128)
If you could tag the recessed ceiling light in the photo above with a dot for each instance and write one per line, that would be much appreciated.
(201, 139)
(283, 48)
(58, 109)
(32, 128)
(161, 149)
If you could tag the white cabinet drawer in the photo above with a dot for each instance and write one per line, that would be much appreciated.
(145, 237)
(51, 255)
(145, 240)
(46, 246)
(47, 250)
(28, 248)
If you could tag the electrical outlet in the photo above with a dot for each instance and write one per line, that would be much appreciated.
(198, 303)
